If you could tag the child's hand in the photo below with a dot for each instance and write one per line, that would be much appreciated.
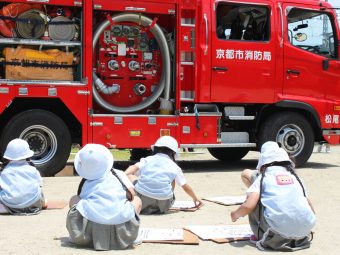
(233, 216)
(198, 203)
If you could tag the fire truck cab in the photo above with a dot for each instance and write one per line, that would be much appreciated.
(224, 75)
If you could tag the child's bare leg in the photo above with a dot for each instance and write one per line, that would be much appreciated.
(43, 201)
(3, 209)
(74, 200)
(137, 204)
(246, 177)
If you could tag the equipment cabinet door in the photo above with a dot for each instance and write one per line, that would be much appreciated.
(311, 60)
(243, 52)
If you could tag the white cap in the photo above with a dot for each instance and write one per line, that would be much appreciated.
(267, 146)
(93, 161)
(18, 149)
(275, 154)
(166, 141)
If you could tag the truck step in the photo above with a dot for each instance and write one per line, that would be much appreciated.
(221, 145)
(240, 117)
(236, 113)
(234, 137)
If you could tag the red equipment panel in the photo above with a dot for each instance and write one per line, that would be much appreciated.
(134, 131)
(202, 129)
(130, 60)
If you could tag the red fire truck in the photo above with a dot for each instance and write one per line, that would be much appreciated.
(224, 75)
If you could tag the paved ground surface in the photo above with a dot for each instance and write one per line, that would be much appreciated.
(46, 233)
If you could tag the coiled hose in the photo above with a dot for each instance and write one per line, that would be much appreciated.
(164, 83)
(30, 25)
(64, 32)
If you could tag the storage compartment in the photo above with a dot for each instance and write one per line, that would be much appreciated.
(133, 59)
(200, 129)
(40, 42)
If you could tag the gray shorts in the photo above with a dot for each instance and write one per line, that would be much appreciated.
(33, 209)
(99, 236)
(270, 239)
(155, 206)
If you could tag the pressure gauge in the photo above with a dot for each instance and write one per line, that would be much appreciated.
(126, 30)
(116, 30)
(135, 31)
(143, 44)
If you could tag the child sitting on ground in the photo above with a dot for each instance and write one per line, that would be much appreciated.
(20, 181)
(280, 214)
(155, 177)
(105, 214)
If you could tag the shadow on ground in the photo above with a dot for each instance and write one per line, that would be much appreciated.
(211, 165)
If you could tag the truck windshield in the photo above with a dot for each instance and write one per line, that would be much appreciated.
(311, 31)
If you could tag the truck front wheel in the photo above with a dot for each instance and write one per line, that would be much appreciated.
(46, 134)
(293, 133)
(228, 154)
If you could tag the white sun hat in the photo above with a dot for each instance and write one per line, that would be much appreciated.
(267, 146)
(273, 155)
(167, 141)
(18, 149)
(93, 161)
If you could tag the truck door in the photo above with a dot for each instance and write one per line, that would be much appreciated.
(243, 52)
(311, 60)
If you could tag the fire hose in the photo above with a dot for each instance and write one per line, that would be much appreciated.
(66, 32)
(34, 27)
(164, 83)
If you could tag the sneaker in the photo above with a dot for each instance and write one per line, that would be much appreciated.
(253, 239)
(138, 241)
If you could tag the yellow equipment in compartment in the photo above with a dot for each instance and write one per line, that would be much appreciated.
(28, 64)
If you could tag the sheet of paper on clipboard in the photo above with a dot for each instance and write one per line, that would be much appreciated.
(165, 234)
(183, 205)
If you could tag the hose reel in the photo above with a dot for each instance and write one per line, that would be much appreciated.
(65, 32)
(33, 27)
(164, 82)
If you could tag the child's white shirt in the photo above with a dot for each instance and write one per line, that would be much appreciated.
(104, 201)
(286, 210)
(20, 184)
(156, 173)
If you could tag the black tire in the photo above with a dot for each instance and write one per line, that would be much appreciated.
(293, 132)
(47, 135)
(228, 154)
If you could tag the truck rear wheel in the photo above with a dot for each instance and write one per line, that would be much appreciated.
(47, 135)
(293, 132)
(228, 154)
